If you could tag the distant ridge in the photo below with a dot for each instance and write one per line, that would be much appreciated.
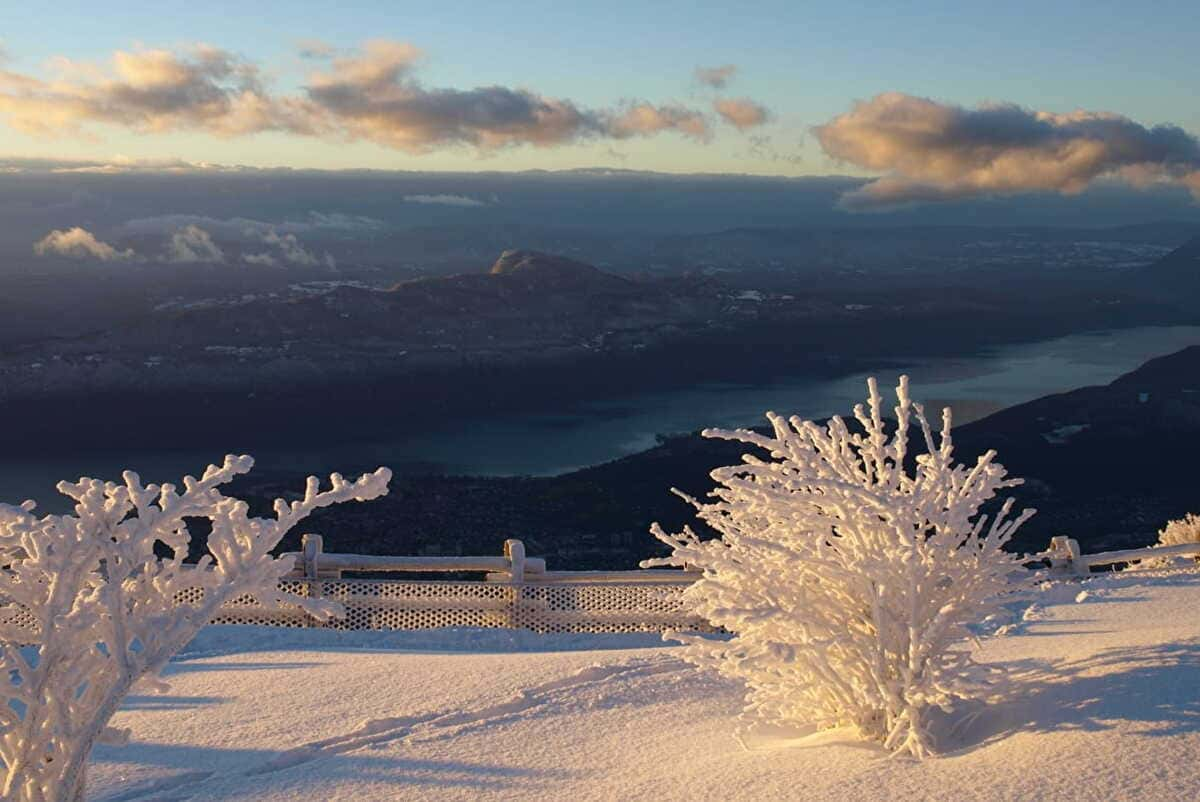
(537, 268)
(519, 261)
(1175, 276)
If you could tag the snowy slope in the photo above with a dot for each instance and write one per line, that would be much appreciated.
(1107, 706)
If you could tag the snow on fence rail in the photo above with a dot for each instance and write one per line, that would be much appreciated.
(1066, 558)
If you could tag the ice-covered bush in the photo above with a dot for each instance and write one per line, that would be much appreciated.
(89, 605)
(1176, 533)
(848, 569)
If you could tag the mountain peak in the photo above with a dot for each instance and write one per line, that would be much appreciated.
(536, 263)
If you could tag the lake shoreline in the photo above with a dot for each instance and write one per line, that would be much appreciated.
(585, 434)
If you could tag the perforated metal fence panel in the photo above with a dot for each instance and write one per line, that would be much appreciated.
(372, 604)
(552, 607)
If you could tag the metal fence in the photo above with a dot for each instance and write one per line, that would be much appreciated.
(520, 593)
(515, 592)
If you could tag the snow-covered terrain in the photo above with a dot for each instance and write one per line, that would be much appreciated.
(1106, 706)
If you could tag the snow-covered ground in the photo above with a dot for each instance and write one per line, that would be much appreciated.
(1106, 706)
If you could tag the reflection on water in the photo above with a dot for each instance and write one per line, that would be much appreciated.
(589, 433)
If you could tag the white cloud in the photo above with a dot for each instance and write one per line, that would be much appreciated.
(79, 243)
(192, 244)
(290, 249)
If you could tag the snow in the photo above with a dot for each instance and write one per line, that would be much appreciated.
(1105, 707)
(92, 608)
(849, 575)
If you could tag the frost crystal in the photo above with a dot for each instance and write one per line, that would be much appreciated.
(848, 571)
(1176, 533)
(89, 606)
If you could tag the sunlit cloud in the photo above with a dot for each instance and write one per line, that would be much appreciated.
(742, 113)
(373, 94)
(715, 77)
(291, 250)
(151, 91)
(111, 166)
(190, 239)
(930, 151)
(644, 119)
(192, 244)
(79, 243)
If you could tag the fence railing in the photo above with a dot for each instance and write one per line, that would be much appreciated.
(520, 592)
(516, 592)
(1065, 557)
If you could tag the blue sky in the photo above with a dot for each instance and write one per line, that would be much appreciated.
(805, 62)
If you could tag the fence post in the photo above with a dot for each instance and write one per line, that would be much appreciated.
(514, 550)
(311, 546)
(1065, 556)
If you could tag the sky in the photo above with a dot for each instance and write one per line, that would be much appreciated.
(943, 101)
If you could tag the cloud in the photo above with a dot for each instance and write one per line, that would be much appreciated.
(244, 229)
(79, 243)
(192, 244)
(716, 77)
(444, 200)
(315, 49)
(151, 91)
(291, 249)
(930, 151)
(375, 96)
(112, 166)
(264, 259)
(125, 164)
(335, 221)
(645, 119)
(742, 113)
(372, 95)
(762, 146)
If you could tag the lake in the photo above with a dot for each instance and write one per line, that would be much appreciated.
(591, 433)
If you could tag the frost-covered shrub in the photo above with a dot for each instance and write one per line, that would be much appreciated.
(89, 608)
(848, 570)
(1176, 533)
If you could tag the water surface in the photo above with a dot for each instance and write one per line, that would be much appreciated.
(590, 433)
